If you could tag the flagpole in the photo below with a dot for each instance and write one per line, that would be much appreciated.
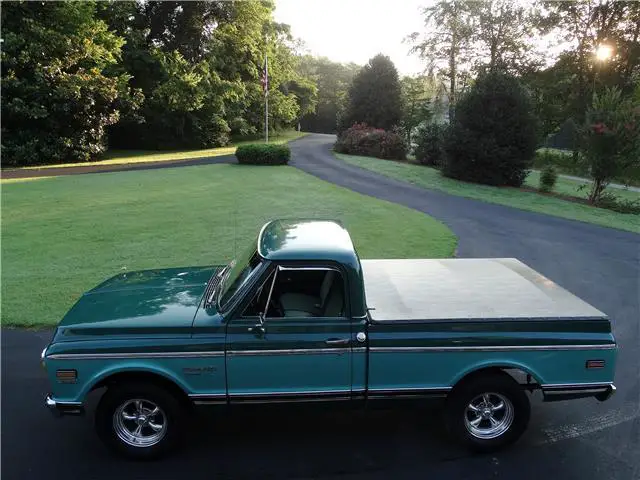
(266, 99)
(266, 118)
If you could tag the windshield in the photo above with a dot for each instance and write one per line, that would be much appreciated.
(239, 271)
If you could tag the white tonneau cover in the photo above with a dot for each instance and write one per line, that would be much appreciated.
(453, 289)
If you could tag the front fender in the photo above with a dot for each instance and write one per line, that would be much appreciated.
(132, 367)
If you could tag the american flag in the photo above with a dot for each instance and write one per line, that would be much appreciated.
(264, 79)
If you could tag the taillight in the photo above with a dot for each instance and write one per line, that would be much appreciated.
(594, 364)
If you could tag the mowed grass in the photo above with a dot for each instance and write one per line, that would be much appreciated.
(532, 201)
(568, 186)
(63, 235)
(123, 157)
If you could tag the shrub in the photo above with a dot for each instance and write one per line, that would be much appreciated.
(548, 178)
(493, 136)
(611, 202)
(610, 139)
(430, 144)
(263, 154)
(371, 142)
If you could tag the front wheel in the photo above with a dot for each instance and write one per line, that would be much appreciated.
(488, 412)
(139, 421)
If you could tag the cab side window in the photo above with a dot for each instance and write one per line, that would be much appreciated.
(317, 292)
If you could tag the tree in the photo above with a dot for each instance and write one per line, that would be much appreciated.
(417, 93)
(375, 96)
(58, 93)
(306, 93)
(446, 42)
(585, 26)
(333, 80)
(199, 66)
(493, 137)
(610, 139)
(502, 37)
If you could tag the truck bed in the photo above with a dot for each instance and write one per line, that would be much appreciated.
(466, 289)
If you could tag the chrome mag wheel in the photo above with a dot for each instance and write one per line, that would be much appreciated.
(140, 423)
(488, 416)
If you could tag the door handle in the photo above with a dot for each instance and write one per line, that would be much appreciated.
(337, 341)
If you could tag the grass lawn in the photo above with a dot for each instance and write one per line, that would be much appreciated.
(120, 157)
(63, 235)
(430, 178)
(567, 186)
(562, 160)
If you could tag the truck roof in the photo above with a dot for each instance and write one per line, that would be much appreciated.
(306, 239)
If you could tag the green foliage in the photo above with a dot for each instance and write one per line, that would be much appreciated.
(430, 144)
(199, 65)
(58, 90)
(306, 92)
(417, 94)
(375, 96)
(548, 178)
(564, 161)
(565, 89)
(333, 80)
(493, 137)
(372, 142)
(263, 154)
(610, 139)
(611, 202)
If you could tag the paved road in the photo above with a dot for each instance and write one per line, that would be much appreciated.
(583, 439)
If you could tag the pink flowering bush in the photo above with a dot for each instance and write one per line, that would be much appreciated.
(361, 139)
(610, 140)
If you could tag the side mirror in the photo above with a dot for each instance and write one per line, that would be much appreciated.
(258, 329)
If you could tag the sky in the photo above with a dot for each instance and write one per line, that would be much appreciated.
(356, 30)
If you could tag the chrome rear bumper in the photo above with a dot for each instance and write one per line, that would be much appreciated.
(555, 393)
(58, 409)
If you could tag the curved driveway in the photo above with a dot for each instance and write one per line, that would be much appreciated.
(598, 264)
(582, 439)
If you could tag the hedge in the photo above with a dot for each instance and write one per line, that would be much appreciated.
(263, 154)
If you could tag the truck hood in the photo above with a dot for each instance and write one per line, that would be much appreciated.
(149, 301)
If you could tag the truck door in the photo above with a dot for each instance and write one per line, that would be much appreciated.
(293, 340)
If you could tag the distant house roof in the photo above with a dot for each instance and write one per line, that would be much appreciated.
(300, 239)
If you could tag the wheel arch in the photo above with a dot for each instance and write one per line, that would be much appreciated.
(138, 373)
(513, 369)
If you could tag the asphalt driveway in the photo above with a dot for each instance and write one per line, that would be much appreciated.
(581, 439)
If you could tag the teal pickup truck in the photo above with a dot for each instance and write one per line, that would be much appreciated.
(299, 317)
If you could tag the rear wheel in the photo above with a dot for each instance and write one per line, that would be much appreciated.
(140, 421)
(488, 412)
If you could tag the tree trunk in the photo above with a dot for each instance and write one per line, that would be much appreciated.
(596, 190)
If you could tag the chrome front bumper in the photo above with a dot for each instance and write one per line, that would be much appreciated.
(58, 409)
